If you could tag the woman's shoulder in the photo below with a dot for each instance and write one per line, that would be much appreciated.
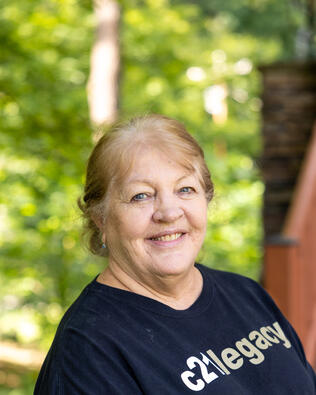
(93, 306)
(226, 277)
(239, 289)
(87, 329)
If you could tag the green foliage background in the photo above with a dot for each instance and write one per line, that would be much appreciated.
(45, 136)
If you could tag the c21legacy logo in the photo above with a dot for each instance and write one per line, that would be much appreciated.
(232, 358)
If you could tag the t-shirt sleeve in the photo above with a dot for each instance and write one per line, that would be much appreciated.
(290, 331)
(84, 366)
(312, 374)
(298, 346)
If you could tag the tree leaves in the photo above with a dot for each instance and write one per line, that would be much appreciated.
(171, 53)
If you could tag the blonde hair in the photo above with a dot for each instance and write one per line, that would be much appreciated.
(112, 159)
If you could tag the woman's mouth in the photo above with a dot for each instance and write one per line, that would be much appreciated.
(170, 237)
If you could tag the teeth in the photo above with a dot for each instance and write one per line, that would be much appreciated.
(174, 236)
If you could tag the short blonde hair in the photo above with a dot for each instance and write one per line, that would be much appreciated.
(112, 159)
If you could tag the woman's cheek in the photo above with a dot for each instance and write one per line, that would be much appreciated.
(136, 220)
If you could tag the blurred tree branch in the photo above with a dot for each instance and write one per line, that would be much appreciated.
(104, 65)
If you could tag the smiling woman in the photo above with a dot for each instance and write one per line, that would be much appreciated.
(154, 321)
(169, 206)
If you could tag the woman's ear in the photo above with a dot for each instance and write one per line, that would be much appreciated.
(98, 220)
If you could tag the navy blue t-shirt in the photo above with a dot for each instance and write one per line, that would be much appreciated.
(232, 341)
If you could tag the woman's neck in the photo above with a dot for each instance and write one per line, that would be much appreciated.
(177, 292)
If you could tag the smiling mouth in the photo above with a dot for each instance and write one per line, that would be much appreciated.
(171, 237)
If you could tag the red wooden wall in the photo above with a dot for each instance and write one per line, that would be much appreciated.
(290, 259)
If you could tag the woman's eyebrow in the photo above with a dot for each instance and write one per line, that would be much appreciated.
(137, 180)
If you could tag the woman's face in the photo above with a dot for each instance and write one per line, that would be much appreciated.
(157, 218)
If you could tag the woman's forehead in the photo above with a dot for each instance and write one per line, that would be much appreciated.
(160, 154)
(153, 160)
(157, 176)
(139, 159)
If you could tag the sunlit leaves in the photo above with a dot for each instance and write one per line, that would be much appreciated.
(44, 141)
(172, 51)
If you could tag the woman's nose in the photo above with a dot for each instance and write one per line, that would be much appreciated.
(167, 211)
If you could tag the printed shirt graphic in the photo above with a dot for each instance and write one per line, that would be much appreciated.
(232, 341)
(249, 348)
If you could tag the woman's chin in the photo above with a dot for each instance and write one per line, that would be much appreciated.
(173, 267)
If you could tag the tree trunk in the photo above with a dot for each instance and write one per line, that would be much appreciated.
(104, 67)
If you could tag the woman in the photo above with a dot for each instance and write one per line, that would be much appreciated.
(155, 322)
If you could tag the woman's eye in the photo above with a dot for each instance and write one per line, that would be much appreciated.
(186, 190)
(139, 197)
